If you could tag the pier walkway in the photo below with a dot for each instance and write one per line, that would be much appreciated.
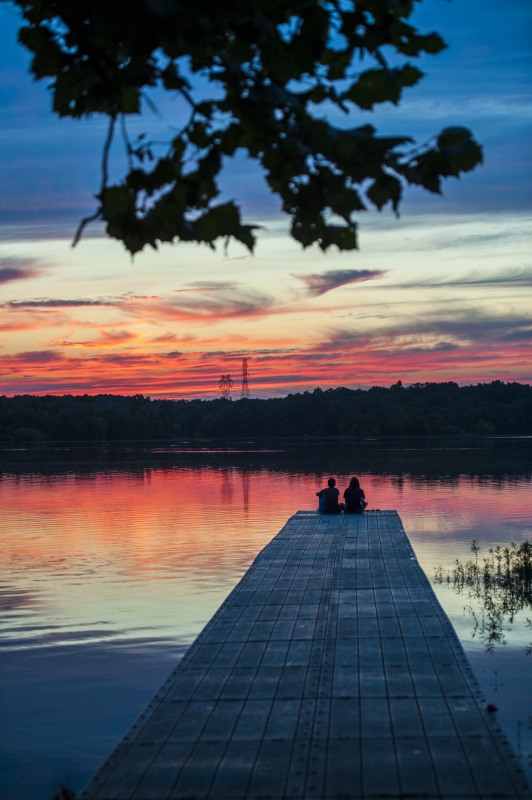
(330, 671)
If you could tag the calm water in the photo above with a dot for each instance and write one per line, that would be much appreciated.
(114, 557)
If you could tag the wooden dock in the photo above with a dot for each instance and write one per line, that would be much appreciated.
(331, 671)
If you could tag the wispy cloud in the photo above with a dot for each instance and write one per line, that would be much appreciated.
(519, 276)
(39, 356)
(208, 286)
(168, 338)
(201, 303)
(343, 359)
(318, 284)
(464, 326)
(479, 328)
(106, 339)
(216, 299)
(15, 270)
(57, 303)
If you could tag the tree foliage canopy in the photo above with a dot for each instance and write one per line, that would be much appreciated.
(440, 409)
(261, 77)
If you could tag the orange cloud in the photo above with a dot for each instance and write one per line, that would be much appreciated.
(202, 305)
(364, 361)
(107, 339)
(142, 354)
(169, 338)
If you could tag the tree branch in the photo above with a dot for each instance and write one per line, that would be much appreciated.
(105, 177)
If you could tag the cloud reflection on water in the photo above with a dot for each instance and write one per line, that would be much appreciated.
(114, 557)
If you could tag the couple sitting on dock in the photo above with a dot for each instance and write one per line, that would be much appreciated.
(355, 499)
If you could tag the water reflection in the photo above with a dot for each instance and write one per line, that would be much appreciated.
(112, 558)
(498, 588)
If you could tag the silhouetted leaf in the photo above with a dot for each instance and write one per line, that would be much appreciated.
(264, 78)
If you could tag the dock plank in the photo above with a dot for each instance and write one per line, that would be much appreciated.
(331, 671)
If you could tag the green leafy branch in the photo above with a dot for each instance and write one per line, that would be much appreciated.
(260, 78)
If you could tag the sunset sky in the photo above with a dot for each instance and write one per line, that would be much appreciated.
(443, 293)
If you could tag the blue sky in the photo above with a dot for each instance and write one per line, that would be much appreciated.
(443, 293)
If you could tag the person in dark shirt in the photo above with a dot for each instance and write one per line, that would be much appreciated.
(328, 503)
(355, 499)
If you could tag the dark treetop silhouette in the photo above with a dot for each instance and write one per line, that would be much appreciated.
(257, 77)
(421, 409)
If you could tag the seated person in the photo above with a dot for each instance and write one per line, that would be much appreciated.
(355, 499)
(329, 498)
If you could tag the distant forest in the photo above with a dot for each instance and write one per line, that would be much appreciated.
(421, 409)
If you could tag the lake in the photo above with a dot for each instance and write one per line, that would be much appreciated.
(114, 556)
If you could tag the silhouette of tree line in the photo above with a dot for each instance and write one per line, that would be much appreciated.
(421, 409)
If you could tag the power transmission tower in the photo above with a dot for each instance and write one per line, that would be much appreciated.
(226, 384)
(245, 384)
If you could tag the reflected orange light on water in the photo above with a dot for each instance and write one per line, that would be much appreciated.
(112, 559)
(156, 518)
